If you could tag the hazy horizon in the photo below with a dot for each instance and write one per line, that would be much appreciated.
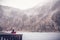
(24, 4)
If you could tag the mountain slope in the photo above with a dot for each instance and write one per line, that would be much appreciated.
(38, 19)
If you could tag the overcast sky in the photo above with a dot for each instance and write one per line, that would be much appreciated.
(23, 4)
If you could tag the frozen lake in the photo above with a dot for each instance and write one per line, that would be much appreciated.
(40, 35)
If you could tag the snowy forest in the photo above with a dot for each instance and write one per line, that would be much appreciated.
(38, 19)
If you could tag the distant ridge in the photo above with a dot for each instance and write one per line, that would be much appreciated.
(39, 19)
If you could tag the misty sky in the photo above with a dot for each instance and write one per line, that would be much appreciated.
(23, 4)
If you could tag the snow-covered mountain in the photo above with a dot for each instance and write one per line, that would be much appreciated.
(38, 19)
